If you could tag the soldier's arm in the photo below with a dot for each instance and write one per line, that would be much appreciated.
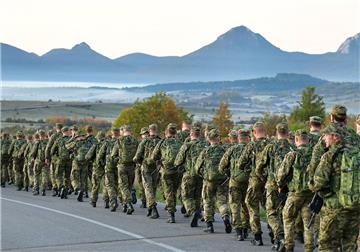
(54, 148)
(34, 150)
(318, 151)
(11, 149)
(199, 169)
(49, 145)
(90, 155)
(285, 169)
(139, 155)
(181, 156)
(323, 173)
(263, 161)
(156, 154)
(245, 158)
(115, 150)
(225, 162)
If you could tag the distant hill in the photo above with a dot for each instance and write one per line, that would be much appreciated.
(236, 54)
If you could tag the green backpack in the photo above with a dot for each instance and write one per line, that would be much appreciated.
(82, 149)
(128, 146)
(213, 155)
(300, 177)
(238, 175)
(349, 191)
(63, 152)
(169, 149)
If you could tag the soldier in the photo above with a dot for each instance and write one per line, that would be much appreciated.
(149, 169)
(315, 127)
(111, 176)
(51, 160)
(336, 179)
(97, 155)
(91, 140)
(62, 163)
(28, 164)
(144, 133)
(238, 184)
(191, 184)
(16, 152)
(266, 169)
(125, 150)
(215, 185)
(5, 143)
(255, 192)
(79, 146)
(41, 169)
(232, 138)
(292, 174)
(165, 152)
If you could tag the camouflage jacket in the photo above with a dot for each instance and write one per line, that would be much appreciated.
(188, 154)
(58, 149)
(125, 149)
(269, 162)
(78, 148)
(38, 150)
(183, 135)
(51, 142)
(5, 146)
(27, 151)
(144, 152)
(106, 150)
(97, 153)
(16, 150)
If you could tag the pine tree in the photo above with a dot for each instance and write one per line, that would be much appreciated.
(222, 119)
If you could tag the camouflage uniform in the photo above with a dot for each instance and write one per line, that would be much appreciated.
(41, 170)
(16, 152)
(5, 159)
(165, 151)
(237, 186)
(91, 140)
(339, 226)
(138, 177)
(292, 173)
(28, 169)
(183, 135)
(53, 159)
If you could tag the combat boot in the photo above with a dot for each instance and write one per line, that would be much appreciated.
(36, 192)
(125, 207)
(26, 188)
(106, 205)
(154, 213)
(55, 192)
(70, 191)
(227, 224)
(183, 209)
(93, 203)
(143, 203)
(80, 196)
(3, 185)
(130, 209)
(76, 192)
(19, 188)
(257, 241)
(209, 227)
(239, 234)
(43, 192)
(171, 218)
(86, 195)
(133, 196)
(113, 208)
(195, 218)
(245, 232)
(149, 211)
(280, 244)
(11, 182)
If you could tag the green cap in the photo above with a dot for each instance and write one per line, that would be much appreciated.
(153, 126)
(301, 132)
(233, 134)
(58, 125)
(358, 119)
(65, 129)
(20, 134)
(171, 126)
(339, 111)
(144, 130)
(115, 130)
(214, 133)
(315, 119)
(282, 128)
(258, 125)
(100, 135)
(243, 133)
(126, 127)
(330, 130)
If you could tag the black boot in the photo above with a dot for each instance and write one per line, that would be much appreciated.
(195, 218)
(3, 185)
(245, 232)
(113, 208)
(239, 234)
(154, 213)
(271, 234)
(36, 192)
(55, 192)
(106, 205)
(133, 197)
(93, 203)
(69, 191)
(86, 195)
(43, 192)
(257, 241)
(130, 209)
(280, 244)
(19, 188)
(62, 192)
(76, 192)
(227, 224)
(183, 209)
(209, 227)
(124, 208)
(80, 196)
(149, 211)
(171, 218)
(143, 203)
(26, 188)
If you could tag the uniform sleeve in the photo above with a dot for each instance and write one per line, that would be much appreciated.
(199, 169)
(285, 168)
(323, 173)
(181, 156)
(11, 149)
(90, 155)
(263, 162)
(54, 148)
(318, 151)
(139, 155)
(225, 162)
(245, 158)
(156, 154)
(34, 150)
(115, 150)
(49, 145)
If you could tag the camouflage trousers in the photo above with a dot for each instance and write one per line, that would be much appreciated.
(297, 204)
(10, 172)
(274, 213)
(18, 165)
(339, 229)
(111, 182)
(254, 198)
(215, 195)
(4, 170)
(170, 183)
(96, 179)
(139, 182)
(41, 172)
(178, 193)
(191, 186)
(150, 179)
(28, 171)
(238, 209)
(79, 175)
(52, 173)
(126, 177)
(62, 174)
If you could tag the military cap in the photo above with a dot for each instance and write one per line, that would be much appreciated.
(339, 111)
(358, 119)
(100, 135)
(65, 129)
(195, 130)
(330, 130)
(315, 119)
(171, 126)
(282, 127)
(243, 133)
(20, 134)
(58, 125)
(233, 133)
(259, 125)
(88, 128)
(126, 127)
(214, 133)
(75, 128)
(209, 127)
(301, 132)
(115, 130)
(153, 126)
(144, 130)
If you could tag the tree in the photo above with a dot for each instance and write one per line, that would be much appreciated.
(270, 121)
(311, 104)
(222, 119)
(159, 108)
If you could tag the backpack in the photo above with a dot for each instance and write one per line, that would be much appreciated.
(41, 150)
(63, 152)
(238, 175)
(213, 155)
(169, 149)
(127, 149)
(82, 149)
(300, 177)
(349, 191)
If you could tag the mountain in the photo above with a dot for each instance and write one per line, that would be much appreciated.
(237, 54)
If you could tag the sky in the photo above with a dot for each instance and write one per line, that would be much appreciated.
(167, 27)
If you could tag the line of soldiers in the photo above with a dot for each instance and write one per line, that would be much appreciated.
(279, 174)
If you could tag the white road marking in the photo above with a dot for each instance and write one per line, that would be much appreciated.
(136, 236)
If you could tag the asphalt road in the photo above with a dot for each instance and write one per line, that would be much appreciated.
(46, 223)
